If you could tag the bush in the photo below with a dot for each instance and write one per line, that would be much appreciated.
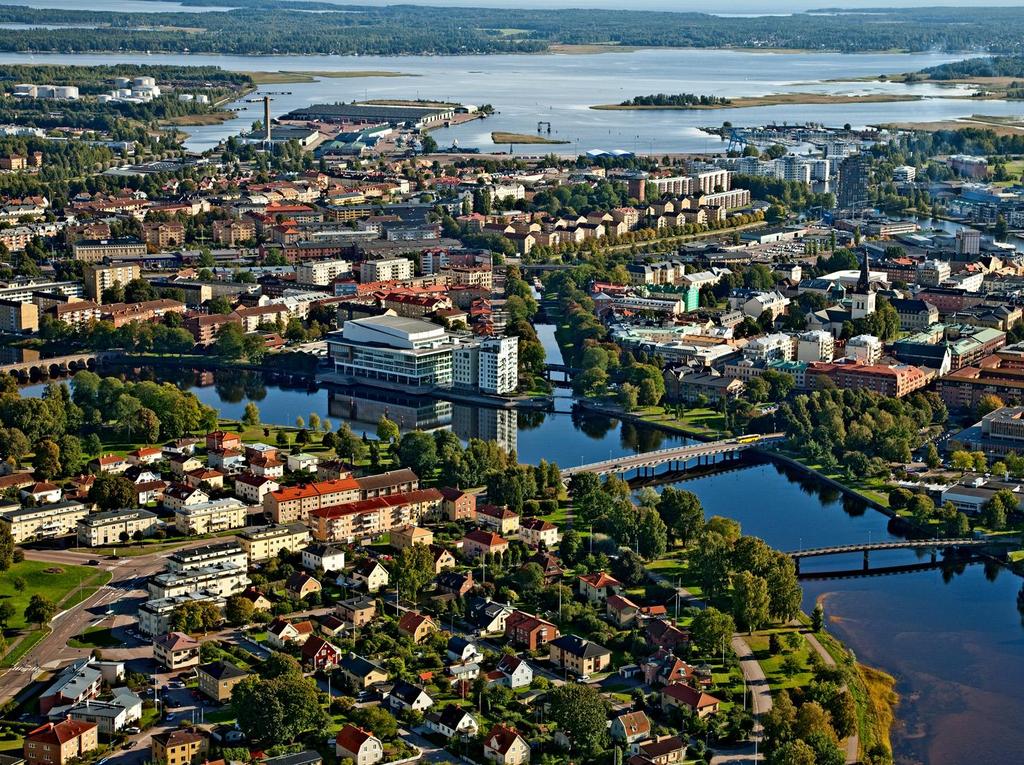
(548, 506)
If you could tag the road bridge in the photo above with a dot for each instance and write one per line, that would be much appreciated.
(56, 365)
(676, 458)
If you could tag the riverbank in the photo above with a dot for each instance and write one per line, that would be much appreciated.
(778, 99)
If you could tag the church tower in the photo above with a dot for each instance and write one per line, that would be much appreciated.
(863, 297)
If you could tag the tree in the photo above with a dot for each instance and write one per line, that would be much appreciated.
(750, 601)
(238, 610)
(230, 342)
(842, 711)
(40, 610)
(14, 444)
(413, 569)
(811, 718)
(682, 512)
(793, 753)
(418, 452)
(997, 509)
(931, 457)
(72, 456)
(195, 617)
(961, 460)
(818, 617)
(46, 461)
(570, 548)
(711, 630)
(7, 612)
(111, 492)
(629, 568)
(987, 403)
(629, 396)
(387, 430)
(277, 710)
(6, 547)
(581, 715)
(780, 719)
(251, 418)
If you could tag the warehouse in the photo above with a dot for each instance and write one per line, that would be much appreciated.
(415, 116)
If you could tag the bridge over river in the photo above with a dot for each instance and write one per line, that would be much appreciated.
(676, 458)
(904, 544)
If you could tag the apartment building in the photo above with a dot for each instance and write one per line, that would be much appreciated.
(320, 273)
(99, 278)
(18, 318)
(294, 503)
(98, 250)
(220, 580)
(371, 517)
(113, 527)
(44, 521)
(155, 615)
(386, 270)
(210, 517)
(266, 542)
(61, 742)
(163, 234)
(218, 553)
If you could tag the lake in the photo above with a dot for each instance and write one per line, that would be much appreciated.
(561, 88)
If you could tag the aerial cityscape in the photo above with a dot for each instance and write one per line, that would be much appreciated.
(447, 382)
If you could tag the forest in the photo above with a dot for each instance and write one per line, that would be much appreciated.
(989, 66)
(282, 26)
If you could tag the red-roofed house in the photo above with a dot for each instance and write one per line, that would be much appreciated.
(682, 695)
(536, 532)
(598, 587)
(416, 626)
(318, 654)
(478, 543)
(528, 630)
(621, 610)
(358, 745)
(504, 746)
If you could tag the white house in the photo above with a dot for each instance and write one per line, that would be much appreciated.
(304, 462)
(517, 673)
(253, 488)
(323, 557)
(453, 721)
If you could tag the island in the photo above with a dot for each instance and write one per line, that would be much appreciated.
(501, 137)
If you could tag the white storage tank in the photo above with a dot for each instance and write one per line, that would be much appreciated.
(202, 99)
(104, 98)
(26, 89)
(65, 91)
(44, 91)
(124, 93)
(144, 82)
(122, 82)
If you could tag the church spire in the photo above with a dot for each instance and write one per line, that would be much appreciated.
(864, 283)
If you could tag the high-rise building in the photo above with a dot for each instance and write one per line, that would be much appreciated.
(854, 174)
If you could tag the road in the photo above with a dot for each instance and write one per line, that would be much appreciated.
(126, 587)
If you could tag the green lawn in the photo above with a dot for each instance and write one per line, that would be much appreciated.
(700, 422)
(51, 580)
(771, 663)
(24, 646)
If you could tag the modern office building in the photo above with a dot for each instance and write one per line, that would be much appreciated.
(392, 349)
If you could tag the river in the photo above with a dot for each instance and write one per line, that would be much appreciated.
(560, 89)
(953, 640)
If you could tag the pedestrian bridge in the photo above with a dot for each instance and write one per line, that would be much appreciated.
(677, 457)
(907, 544)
